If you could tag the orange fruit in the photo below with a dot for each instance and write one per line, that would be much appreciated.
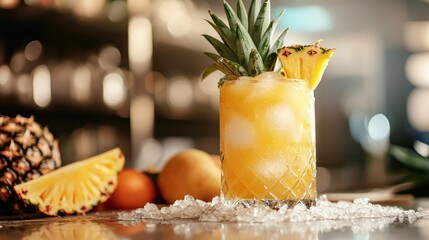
(134, 190)
(190, 172)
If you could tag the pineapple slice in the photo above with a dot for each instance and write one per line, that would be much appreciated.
(305, 62)
(75, 188)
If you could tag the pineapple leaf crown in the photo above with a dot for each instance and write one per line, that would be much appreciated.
(246, 48)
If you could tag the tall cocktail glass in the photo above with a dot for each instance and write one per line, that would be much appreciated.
(267, 140)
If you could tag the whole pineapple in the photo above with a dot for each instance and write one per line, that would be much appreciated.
(27, 151)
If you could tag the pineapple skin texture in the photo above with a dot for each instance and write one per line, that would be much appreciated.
(305, 62)
(27, 151)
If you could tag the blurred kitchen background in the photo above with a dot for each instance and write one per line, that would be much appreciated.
(106, 73)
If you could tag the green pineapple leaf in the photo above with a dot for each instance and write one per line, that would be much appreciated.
(223, 80)
(262, 22)
(224, 69)
(233, 67)
(244, 45)
(256, 65)
(241, 49)
(220, 66)
(209, 70)
(212, 56)
(270, 61)
(242, 14)
(226, 66)
(271, 58)
(243, 40)
(222, 29)
(233, 19)
(254, 8)
(264, 45)
(221, 48)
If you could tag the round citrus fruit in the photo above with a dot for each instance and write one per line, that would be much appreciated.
(190, 172)
(134, 190)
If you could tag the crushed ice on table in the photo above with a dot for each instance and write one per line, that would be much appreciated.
(226, 211)
(279, 230)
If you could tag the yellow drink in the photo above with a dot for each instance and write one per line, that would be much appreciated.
(267, 140)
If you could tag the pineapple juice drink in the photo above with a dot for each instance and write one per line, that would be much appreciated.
(267, 140)
(267, 132)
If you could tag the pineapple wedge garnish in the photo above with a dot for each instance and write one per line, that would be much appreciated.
(305, 62)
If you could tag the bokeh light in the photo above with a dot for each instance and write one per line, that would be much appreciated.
(117, 11)
(6, 78)
(87, 8)
(176, 17)
(17, 63)
(109, 58)
(417, 109)
(5, 74)
(416, 35)
(139, 43)
(422, 148)
(150, 154)
(138, 6)
(114, 92)
(33, 50)
(81, 84)
(378, 127)
(23, 88)
(8, 4)
(180, 92)
(416, 69)
(42, 86)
